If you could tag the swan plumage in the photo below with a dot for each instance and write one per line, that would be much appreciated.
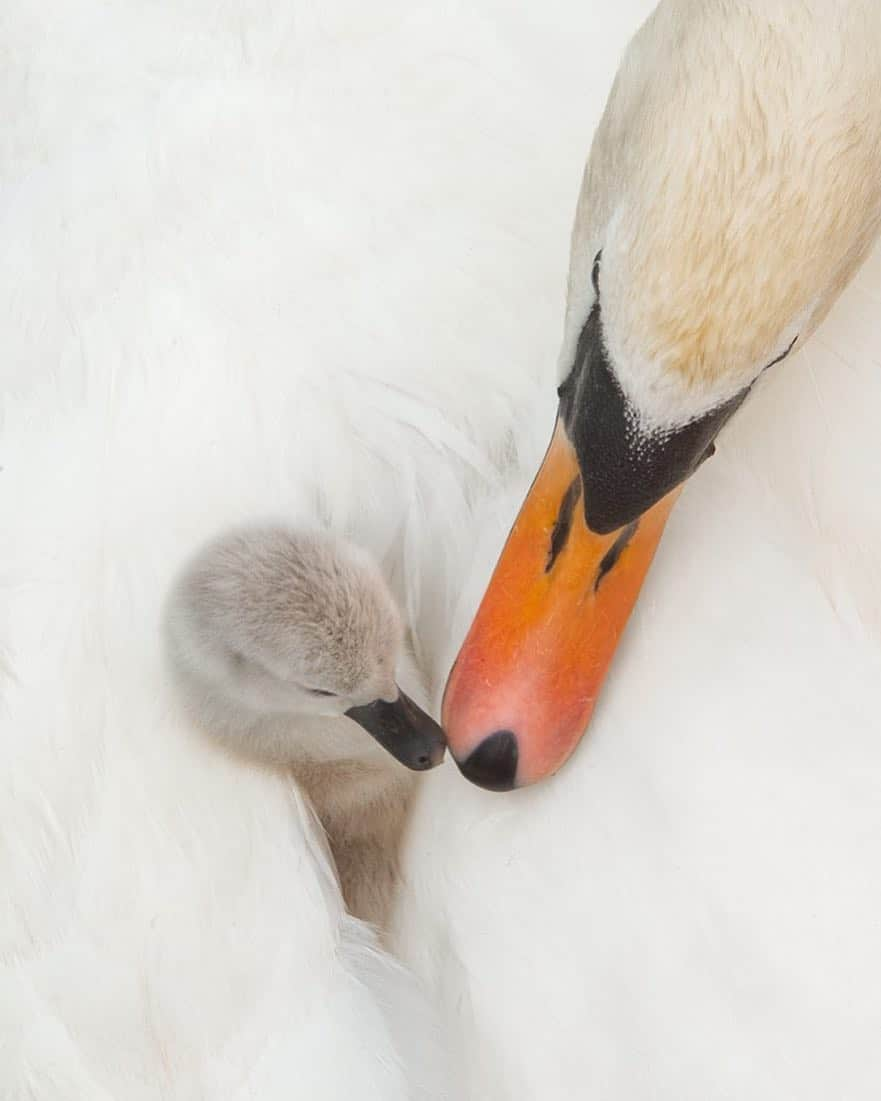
(218, 307)
(732, 190)
(689, 901)
(285, 646)
(200, 331)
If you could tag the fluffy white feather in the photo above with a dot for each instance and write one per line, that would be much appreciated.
(265, 260)
(689, 909)
(217, 308)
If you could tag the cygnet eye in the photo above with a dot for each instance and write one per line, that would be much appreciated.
(320, 692)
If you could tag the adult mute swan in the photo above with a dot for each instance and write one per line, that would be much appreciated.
(217, 305)
(733, 189)
(688, 909)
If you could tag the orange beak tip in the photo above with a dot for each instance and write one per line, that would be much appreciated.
(527, 677)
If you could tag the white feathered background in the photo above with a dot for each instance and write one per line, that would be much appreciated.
(307, 260)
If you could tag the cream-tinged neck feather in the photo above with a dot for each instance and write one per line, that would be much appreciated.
(734, 187)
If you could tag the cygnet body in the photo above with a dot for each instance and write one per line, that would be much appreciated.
(285, 645)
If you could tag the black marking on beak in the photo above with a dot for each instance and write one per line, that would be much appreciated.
(563, 523)
(404, 730)
(493, 765)
(625, 468)
(782, 356)
(613, 554)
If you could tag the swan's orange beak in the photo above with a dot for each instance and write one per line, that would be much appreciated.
(529, 672)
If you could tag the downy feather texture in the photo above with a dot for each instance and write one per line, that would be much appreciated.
(688, 910)
(216, 310)
(309, 261)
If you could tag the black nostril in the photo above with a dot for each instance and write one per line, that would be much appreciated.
(493, 765)
(423, 761)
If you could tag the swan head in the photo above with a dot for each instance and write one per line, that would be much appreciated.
(268, 621)
(733, 187)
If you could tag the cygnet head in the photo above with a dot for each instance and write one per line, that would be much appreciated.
(269, 621)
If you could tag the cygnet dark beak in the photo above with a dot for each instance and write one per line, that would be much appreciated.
(404, 729)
